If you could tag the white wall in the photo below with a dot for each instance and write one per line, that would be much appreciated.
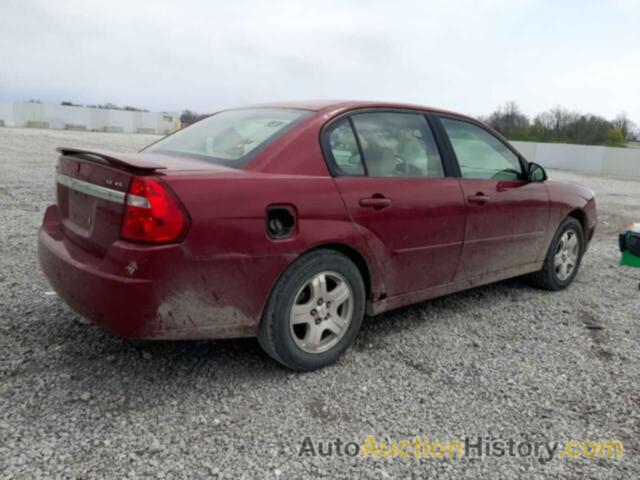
(619, 162)
(6, 114)
(96, 119)
(60, 117)
(622, 162)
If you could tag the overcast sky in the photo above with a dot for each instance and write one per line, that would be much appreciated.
(467, 55)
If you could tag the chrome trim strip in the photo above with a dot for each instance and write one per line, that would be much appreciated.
(138, 201)
(92, 189)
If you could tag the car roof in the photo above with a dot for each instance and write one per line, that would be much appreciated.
(339, 106)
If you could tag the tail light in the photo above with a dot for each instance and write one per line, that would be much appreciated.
(152, 213)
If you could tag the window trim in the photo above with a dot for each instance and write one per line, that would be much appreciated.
(449, 167)
(524, 165)
(359, 146)
(327, 151)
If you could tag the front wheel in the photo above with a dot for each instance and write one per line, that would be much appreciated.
(563, 258)
(314, 312)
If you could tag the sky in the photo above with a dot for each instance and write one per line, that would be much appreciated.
(468, 56)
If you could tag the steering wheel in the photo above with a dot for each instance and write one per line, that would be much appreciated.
(354, 159)
(402, 166)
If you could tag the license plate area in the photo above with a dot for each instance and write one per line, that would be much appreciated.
(82, 208)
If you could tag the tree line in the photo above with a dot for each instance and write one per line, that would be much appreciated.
(187, 117)
(560, 125)
(105, 106)
(557, 125)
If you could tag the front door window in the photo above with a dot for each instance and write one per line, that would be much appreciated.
(480, 154)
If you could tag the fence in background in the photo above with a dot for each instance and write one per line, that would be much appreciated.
(618, 162)
(47, 115)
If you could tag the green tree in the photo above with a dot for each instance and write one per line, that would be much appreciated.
(559, 125)
(510, 121)
(615, 138)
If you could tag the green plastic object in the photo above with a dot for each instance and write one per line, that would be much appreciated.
(629, 260)
(630, 246)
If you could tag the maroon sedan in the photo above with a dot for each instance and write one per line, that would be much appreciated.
(291, 221)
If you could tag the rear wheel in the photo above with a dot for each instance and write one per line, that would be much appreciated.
(314, 312)
(563, 258)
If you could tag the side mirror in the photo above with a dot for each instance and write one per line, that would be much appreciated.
(536, 173)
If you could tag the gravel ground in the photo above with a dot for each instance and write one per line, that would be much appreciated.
(505, 360)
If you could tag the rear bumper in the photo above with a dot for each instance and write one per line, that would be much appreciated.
(150, 292)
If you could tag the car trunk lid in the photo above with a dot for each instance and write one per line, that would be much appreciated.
(91, 199)
(92, 186)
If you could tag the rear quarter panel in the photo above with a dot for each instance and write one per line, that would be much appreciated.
(233, 262)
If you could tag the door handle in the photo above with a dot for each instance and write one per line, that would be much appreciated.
(375, 202)
(479, 198)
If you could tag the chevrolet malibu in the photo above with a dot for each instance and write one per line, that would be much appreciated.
(292, 221)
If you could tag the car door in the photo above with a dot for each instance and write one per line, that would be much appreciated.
(507, 215)
(390, 174)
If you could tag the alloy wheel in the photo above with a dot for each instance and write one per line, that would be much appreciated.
(321, 313)
(566, 257)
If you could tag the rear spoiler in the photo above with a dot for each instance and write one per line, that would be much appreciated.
(134, 161)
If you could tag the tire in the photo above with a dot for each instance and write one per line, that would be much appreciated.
(299, 325)
(551, 276)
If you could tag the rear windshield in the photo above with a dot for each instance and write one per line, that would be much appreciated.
(231, 137)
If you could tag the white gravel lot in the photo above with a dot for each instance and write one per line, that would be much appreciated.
(504, 361)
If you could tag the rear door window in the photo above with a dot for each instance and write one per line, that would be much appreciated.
(397, 145)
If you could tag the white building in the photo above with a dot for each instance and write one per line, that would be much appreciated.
(48, 115)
